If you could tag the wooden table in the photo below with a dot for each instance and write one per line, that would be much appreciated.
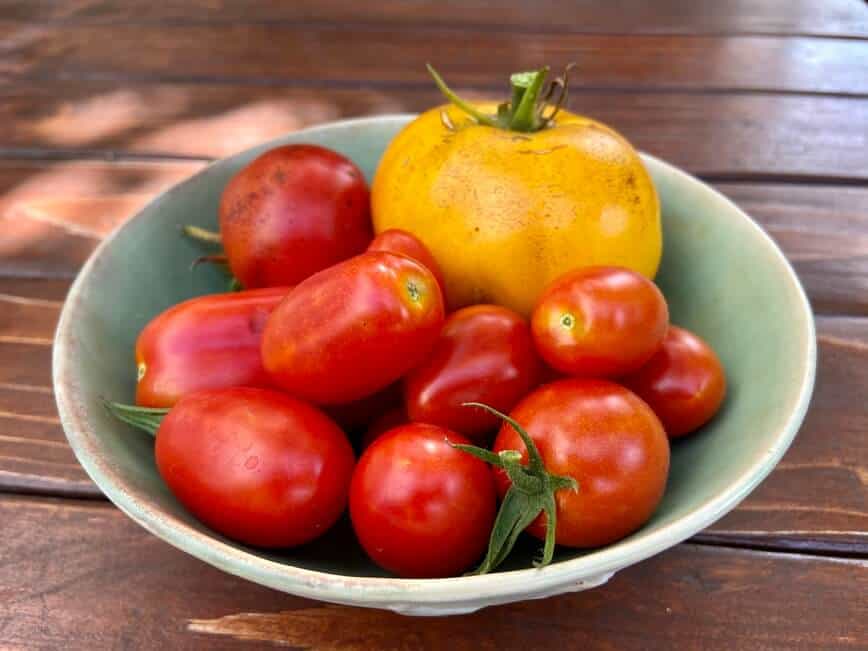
(104, 104)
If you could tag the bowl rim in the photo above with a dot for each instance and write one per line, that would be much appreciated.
(382, 591)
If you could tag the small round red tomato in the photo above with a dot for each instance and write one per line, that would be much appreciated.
(390, 419)
(209, 342)
(394, 240)
(353, 329)
(256, 465)
(599, 321)
(293, 211)
(683, 382)
(419, 507)
(607, 439)
(485, 354)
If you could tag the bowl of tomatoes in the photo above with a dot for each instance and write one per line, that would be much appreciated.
(481, 402)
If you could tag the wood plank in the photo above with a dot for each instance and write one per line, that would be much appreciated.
(282, 53)
(81, 575)
(719, 135)
(847, 18)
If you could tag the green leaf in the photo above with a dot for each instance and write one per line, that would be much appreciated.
(535, 461)
(480, 453)
(516, 512)
(144, 418)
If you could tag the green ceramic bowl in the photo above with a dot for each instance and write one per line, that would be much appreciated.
(724, 278)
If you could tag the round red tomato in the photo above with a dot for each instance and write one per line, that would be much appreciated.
(607, 439)
(401, 242)
(353, 329)
(484, 354)
(256, 465)
(599, 321)
(209, 342)
(293, 211)
(419, 507)
(683, 382)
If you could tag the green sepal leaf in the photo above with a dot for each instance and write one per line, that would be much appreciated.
(147, 419)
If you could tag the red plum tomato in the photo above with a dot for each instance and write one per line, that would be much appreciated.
(256, 465)
(353, 329)
(485, 354)
(209, 342)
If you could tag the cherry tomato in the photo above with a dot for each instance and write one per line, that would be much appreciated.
(607, 439)
(683, 382)
(359, 414)
(256, 465)
(484, 354)
(401, 242)
(599, 321)
(389, 420)
(208, 342)
(353, 329)
(419, 507)
(293, 211)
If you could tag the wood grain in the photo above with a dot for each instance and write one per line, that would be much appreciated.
(717, 135)
(344, 55)
(843, 18)
(82, 575)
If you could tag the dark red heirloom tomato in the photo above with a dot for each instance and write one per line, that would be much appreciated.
(421, 508)
(607, 439)
(293, 211)
(484, 354)
(353, 329)
(683, 382)
(599, 321)
(209, 342)
(394, 240)
(256, 465)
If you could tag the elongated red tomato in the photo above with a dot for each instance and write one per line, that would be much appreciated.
(353, 329)
(684, 382)
(599, 322)
(256, 465)
(419, 507)
(293, 211)
(209, 342)
(394, 240)
(607, 439)
(484, 354)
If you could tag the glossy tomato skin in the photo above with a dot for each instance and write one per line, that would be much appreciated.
(394, 240)
(256, 465)
(209, 342)
(684, 382)
(293, 211)
(599, 322)
(353, 329)
(485, 353)
(419, 507)
(609, 441)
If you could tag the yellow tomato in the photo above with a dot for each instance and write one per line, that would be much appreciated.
(506, 212)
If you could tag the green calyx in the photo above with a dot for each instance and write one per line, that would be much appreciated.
(147, 419)
(532, 491)
(530, 107)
